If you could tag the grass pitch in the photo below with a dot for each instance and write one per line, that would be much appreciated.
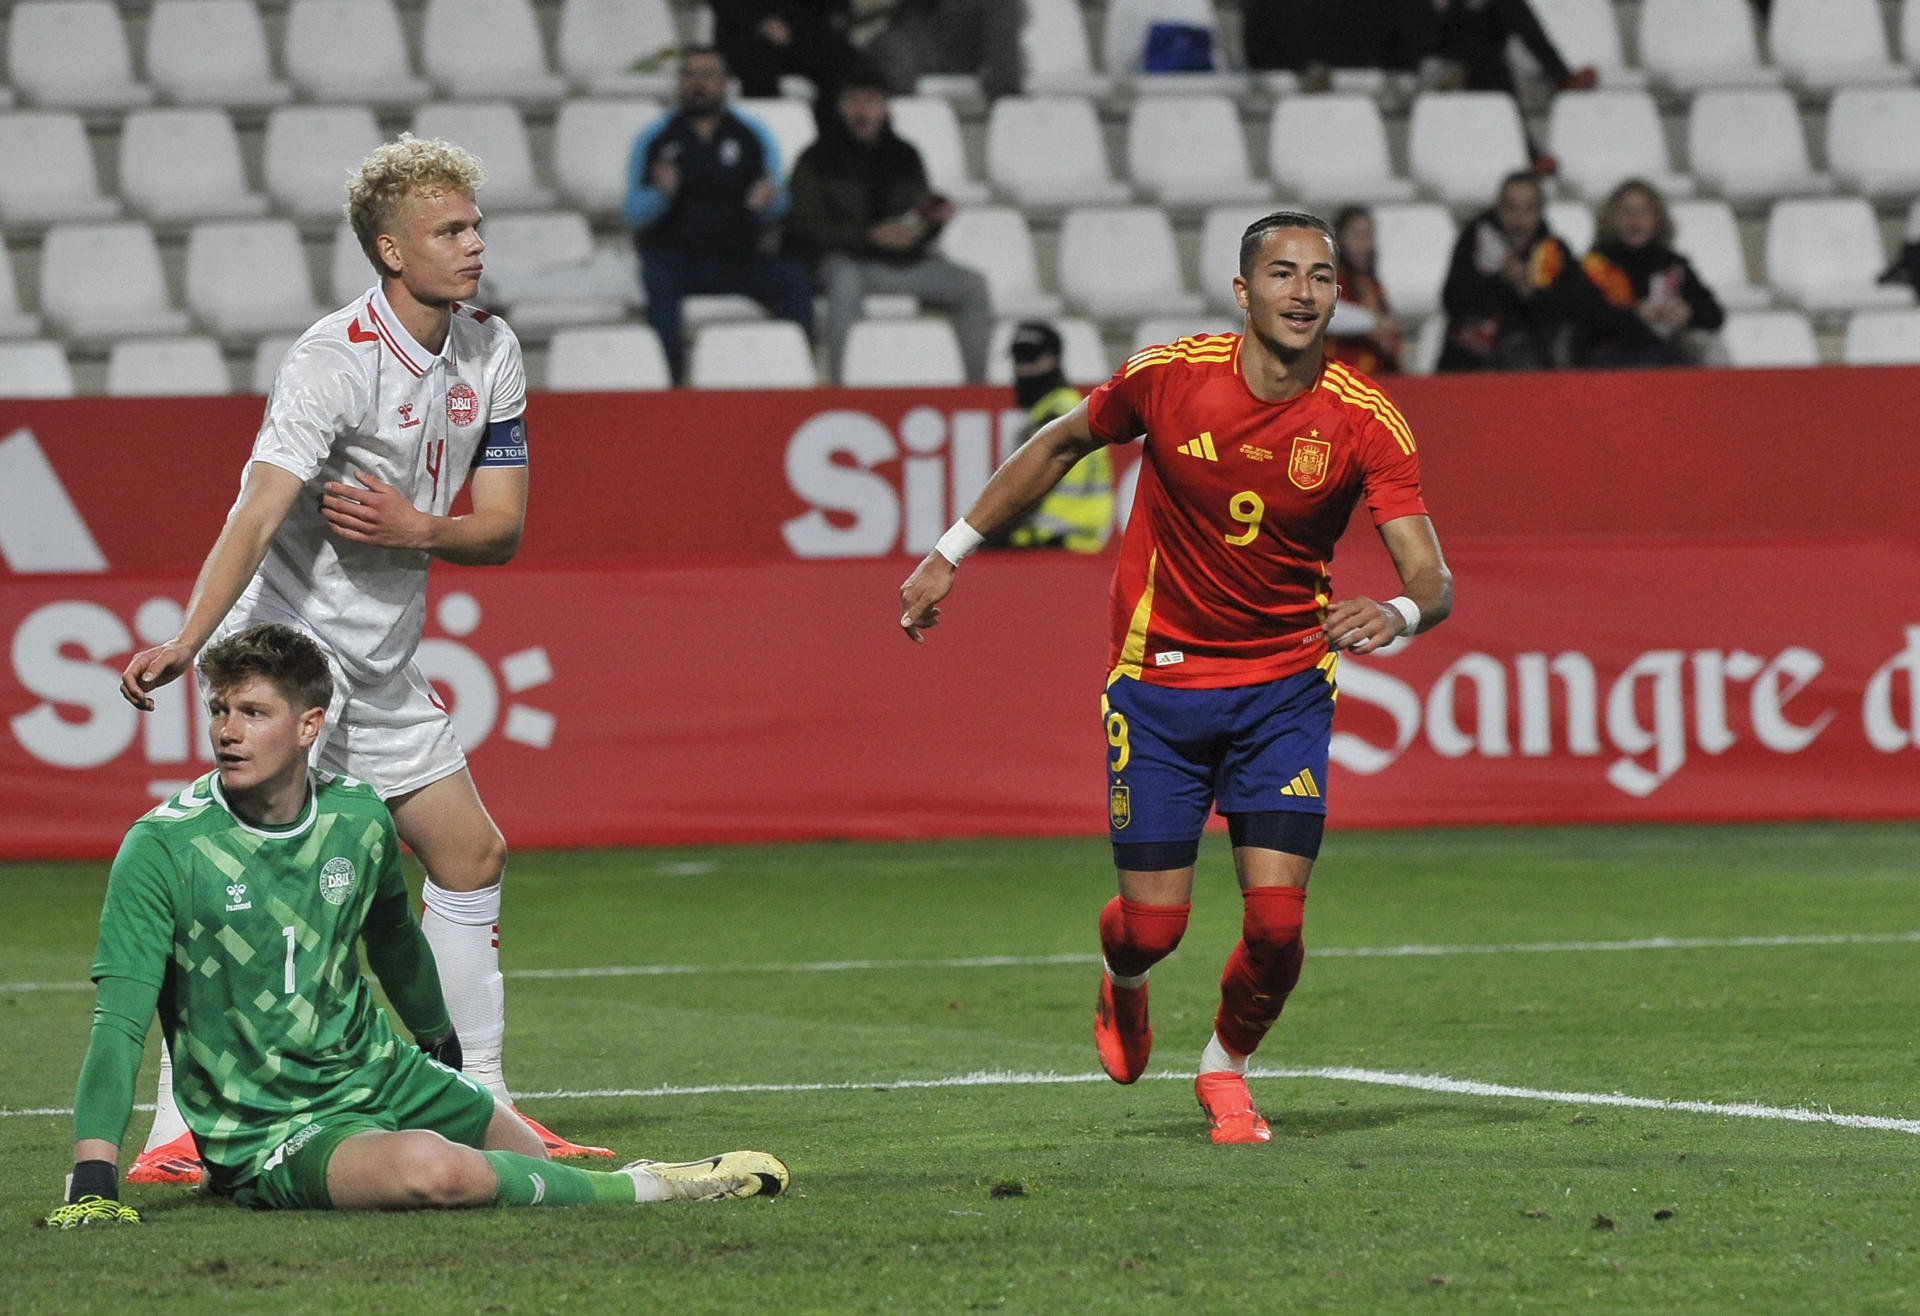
(786, 997)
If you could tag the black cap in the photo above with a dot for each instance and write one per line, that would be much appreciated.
(1034, 339)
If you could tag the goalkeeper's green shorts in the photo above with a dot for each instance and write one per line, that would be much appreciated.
(422, 1094)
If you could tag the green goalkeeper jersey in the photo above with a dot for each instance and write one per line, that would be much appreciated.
(247, 935)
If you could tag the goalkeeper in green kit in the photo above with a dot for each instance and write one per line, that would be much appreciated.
(233, 909)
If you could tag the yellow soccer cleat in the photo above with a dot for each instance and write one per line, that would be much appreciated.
(719, 1178)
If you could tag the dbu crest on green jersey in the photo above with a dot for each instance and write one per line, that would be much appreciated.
(336, 880)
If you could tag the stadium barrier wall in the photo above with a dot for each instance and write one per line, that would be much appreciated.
(1683, 596)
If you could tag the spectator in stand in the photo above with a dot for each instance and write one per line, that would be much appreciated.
(981, 37)
(704, 201)
(1515, 296)
(1363, 333)
(763, 39)
(1313, 37)
(1651, 294)
(1468, 39)
(864, 215)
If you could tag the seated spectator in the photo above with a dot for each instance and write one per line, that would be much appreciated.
(1078, 514)
(981, 37)
(703, 200)
(763, 39)
(1363, 333)
(864, 215)
(1652, 295)
(1515, 296)
(1312, 37)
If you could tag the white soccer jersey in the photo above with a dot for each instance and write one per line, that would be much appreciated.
(357, 393)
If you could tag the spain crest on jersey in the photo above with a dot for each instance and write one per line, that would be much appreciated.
(1308, 463)
(1120, 805)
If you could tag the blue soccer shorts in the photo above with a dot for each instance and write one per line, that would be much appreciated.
(1173, 755)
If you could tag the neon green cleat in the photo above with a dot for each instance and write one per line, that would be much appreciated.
(93, 1210)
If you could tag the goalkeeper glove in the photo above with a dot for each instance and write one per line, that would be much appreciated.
(446, 1050)
(93, 1198)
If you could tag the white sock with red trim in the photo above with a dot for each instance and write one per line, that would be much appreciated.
(463, 927)
(167, 1122)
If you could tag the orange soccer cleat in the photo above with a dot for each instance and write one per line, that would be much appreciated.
(1229, 1106)
(1121, 1033)
(558, 1147)
(171, 1162)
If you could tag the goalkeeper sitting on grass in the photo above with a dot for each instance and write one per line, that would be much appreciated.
(233, 908)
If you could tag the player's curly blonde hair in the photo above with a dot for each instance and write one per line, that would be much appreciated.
(397, 170)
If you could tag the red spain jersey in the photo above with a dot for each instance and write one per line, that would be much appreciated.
(1225, 573)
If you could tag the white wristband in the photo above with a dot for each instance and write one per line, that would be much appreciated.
(960, 540)
(1409, 613)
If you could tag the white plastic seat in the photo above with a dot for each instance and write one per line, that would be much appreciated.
(167, 367)
(351, 50)
(14, 323)
(1220, 234)
(1587, 34)
(601, 40)
(1687, 45)
(1059, 60)
(310, 149)
(1882, 338)
(35, 368)
(1189, 151)
(1154, 329)
(995, 241)
(1083, 353)
(1824, 255)
(1821, 44)
(1124, 43)
(749, 355)
(934, 129)
(489, 47)
(1119, 262)
(592, 144)
(545, 270)
(1047, 151)
(1412, 246)
(1760, 339)
(1429, 341)
(103, 281)
(789, 122)
(1873, 140)
(902, 354)
(1460, 144)
(212, 52)
(184, 164)
(605, 359)
(1908, 25)
(1602, 138)
(1706, 233)
(493, 131)
(1573, 223)
(268, 352)
(72, 54)
(1303, 162)
(249, 277)
(46, 170)
(1748, 145)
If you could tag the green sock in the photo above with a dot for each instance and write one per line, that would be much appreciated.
(525, 1181)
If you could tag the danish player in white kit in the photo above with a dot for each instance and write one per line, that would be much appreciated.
(378, 415)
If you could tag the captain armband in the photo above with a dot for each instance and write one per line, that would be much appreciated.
(505, 444)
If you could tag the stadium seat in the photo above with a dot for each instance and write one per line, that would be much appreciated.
(46, 170)
(1602, 138)
(1359, 171)
(1059, 60)
(1413, 243)
(1706, 233)
(490, 48)
(1083, 353)
(995, 241)
(789, 122)
(605, 359)
(493, 131)
(35, 368)
(167, 367)
(1587, 35)
(351, 50)
(1119, 262)
(1048, 152)
(1748, 146)
(1821, 44)
(72, 54)
(267, 355)
(1125, 38)
(249, 277)
(1428, 342)
(1460, 144)
(100, 282)
(1220, 253)
(1752, 339)
(592, 145)
(934, 129)
(902, 354)
(1873, 140)
(1882, 338)
(545, 272)
(309, 151)
(349, 272)
(768, 354)
(178, 165)
(1189, 151)
(1573, 223)
(212, 52)
(600, 42)
(1824, 255)
(1688, 45)
(1909, 31)
(14, 323)
(1155, 329)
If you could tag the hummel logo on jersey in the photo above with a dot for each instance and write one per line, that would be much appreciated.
(1201, 447)
(407, 421)
(237, 896)
(1302, 785)
(355, 334)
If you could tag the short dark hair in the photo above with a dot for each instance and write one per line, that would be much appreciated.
(287, 658)
(1256, 235)
(1527, 176)
(688, 52)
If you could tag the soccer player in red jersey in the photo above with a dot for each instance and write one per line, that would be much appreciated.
(1226, 634)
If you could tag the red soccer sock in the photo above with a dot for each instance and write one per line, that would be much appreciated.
(1263, 968)
(1134, 937)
